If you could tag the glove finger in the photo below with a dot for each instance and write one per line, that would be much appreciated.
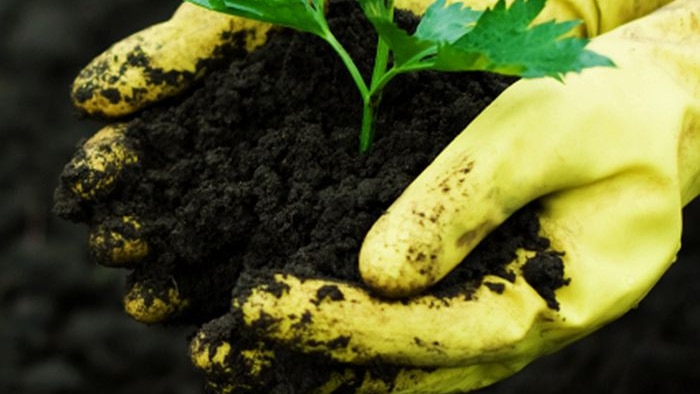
(345, 323)
(154, 300)
(93, 173)
(235, 364)
(118, 242)
(161, 61)
(94, 170)
(163, 288)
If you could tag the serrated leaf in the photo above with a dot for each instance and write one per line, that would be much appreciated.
(442, 23)
(298, 14)
(504, 41)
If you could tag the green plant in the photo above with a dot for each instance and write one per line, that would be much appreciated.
(448, 38)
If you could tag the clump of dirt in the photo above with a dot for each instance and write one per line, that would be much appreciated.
(258, 169)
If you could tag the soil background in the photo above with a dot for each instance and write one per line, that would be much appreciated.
(61, 325)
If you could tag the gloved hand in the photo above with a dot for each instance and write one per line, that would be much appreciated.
(612, 155)
(157, 63)
(612, 195)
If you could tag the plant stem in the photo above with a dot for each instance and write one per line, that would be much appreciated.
(347, 60)
(367, 130)
(374, 98)
(325, 33)
(409, 66)
(381, 61)
(366, 133)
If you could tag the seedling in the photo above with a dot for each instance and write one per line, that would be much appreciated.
(448, 38)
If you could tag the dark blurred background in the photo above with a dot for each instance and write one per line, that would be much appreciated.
(62, 329)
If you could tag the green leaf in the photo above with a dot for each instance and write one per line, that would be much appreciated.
(504, 41)
(446, 24)
(304, 15)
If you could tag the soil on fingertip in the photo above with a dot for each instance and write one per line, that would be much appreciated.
(258, 170)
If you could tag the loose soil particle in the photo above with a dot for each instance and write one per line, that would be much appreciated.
(258, 170)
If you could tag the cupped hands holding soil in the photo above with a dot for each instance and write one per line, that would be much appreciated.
(257, 171)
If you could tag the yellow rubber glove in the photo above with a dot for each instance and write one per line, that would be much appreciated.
(611, 154)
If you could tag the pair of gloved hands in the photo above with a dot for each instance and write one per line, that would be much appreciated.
(613, 154)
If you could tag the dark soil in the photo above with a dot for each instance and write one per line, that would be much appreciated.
(62, 330)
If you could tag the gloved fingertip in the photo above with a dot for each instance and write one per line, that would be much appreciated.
(432, 226)
(212, 360)
(230, 367)
(95, 169)
(121, 81)
(161, 61)
(395, 264)
(118, 242)
(150, 305)
(209, 355)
